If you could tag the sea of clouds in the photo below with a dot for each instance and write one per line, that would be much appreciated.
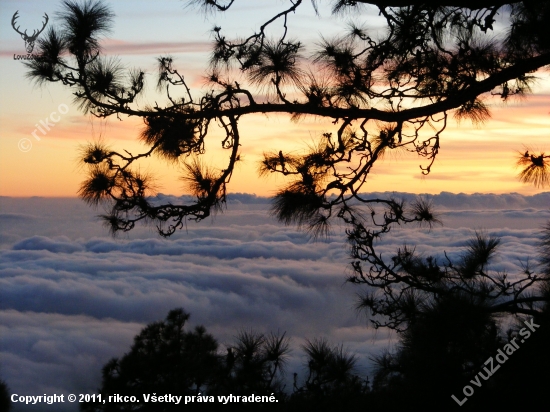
(71, 297)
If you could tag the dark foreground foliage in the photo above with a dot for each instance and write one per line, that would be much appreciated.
(440, 355)
(454, 345)
(5, 402)
(166, 359)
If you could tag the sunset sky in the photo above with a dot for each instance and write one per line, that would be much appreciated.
(472, 158)
(72, 297)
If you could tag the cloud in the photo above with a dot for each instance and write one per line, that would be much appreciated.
(476, 201)
(54, 353)
(43, 243)
(120, 47)
(71, 298)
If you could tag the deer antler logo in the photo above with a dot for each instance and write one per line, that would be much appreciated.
(29, 40)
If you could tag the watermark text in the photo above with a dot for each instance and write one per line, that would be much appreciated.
(492, 366)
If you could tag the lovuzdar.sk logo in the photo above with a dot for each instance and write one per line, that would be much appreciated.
(29, 39)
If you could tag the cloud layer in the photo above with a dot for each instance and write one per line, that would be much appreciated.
(72, 298)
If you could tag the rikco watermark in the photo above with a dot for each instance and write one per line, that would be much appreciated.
(43, 126)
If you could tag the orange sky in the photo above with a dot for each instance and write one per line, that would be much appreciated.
(471, 159)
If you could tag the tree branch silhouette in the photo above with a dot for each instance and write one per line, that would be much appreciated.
(393, 91)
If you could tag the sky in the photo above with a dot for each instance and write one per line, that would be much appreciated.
(472, 158)
(71, 297)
